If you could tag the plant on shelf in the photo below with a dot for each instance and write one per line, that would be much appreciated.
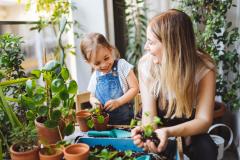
(50, 103)
(99, 119)
(218, 37)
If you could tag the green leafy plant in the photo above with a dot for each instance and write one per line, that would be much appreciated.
(217, 36)
(24, 138)
(54, 100)
(99, 114)
(136, 20)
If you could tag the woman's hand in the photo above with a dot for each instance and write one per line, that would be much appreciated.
(111, 105)
(137, 137)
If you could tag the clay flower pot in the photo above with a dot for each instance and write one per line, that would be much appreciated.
(47, 135)
(100, 126)
(56, 153)
(219, 109)
(82, 117)
(27, 155)
(78, 151)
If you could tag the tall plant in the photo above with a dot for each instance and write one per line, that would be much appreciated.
(136, 21)
(217, 36)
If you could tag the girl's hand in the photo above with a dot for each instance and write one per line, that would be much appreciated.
(95, 102)
(137, 137)
(111, 105)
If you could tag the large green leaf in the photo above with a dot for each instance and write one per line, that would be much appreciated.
(56, 115)
(57, 85)
(51, 123)
(69, 129)
(72, 87)
(51, 65)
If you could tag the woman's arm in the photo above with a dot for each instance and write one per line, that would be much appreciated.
(94, 101)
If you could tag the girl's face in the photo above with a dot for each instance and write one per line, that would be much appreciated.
(153, 46)
(103, 60)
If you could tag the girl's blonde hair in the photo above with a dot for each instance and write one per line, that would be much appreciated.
(173, 80)
(90, 44)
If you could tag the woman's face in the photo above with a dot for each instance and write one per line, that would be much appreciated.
(103, 60)
(154, 46)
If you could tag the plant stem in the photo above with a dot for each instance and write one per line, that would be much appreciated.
(62, 29)
(14, 81)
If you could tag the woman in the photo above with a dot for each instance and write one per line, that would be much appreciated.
(177, 83)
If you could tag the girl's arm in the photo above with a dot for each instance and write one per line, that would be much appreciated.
(94, 101)
(128, 96)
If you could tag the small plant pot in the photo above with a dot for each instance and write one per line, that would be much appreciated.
(78, 151)
(100, 126)
(27, 155)
(82, 117)
(48, 135)
(57, 153)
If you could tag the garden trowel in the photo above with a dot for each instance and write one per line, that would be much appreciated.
(115, 133)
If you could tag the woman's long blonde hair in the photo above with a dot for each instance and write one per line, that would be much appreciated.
(173, 80)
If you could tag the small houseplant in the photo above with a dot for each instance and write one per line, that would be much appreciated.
(52, 102)
(99, 119)
(24, 143)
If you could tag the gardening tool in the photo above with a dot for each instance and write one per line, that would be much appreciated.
(115, 133)
(144, 157)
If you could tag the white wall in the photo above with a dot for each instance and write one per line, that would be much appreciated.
(90, 15)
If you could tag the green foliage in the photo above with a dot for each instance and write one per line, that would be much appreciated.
(11, 58)
(55, 99)
(25, 137)
(96, 112)
(217, 36)
(136, 21)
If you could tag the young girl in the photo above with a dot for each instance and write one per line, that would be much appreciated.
(113, 83)
(177, 83)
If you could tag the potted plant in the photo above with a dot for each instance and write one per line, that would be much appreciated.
(51, 103)
(24, 143)
(76, 152)
(83, 117)
(99, 119)
(51, 152)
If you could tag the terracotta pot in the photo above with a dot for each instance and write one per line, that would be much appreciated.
(219, 109)
(100, 126)
(82, 117)
(57, 153)
(78, 151)
(27, 155)
(48, 135)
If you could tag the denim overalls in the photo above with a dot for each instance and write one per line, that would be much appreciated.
(108, 87)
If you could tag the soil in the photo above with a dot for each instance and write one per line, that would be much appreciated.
(152, 138)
